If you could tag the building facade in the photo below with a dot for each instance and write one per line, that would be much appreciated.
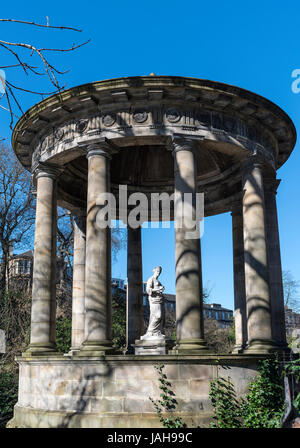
(214, 311)
(20, 268)
(292, 321)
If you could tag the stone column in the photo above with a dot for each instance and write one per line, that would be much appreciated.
(274, 261)
(98, 256)
(43, 310)
(258, 301)
(189, 294)
(240, 319)
(134, 308)
(78, 312)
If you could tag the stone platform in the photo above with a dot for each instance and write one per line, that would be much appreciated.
(114, 391)
(153, 346)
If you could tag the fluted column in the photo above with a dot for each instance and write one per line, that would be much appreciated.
(98, 256)
(274, 261)
(43, 310)
(258, 301)
(189, 294)
(240, 319)
(134, 309)
(78, 291)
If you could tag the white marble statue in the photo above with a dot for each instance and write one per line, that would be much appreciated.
(155, 295)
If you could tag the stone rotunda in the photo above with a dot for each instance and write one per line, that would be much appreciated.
(151, 134)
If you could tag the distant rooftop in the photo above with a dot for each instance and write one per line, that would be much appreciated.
(27, 254)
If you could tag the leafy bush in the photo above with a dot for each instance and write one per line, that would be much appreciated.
(118, 321)
(8, 394)
(63, 334)
(261, 407)
(64, 326)
(293, 368)
(167, 403)
(227, 412)
(218, 340)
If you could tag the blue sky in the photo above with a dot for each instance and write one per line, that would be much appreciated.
(251, 44)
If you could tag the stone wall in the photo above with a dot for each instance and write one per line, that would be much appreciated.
(115, 391)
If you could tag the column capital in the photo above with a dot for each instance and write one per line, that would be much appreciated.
(102, 147)
(181, 143)
(271, 185)
(253, 160)
(43, 169)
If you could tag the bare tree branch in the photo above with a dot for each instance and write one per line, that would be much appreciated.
(291, 291)
(43, 68)
(16, 207)
(40, 25)
(74, 47)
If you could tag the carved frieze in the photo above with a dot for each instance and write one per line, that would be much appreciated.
(194, 121)
(59, 134)
(108, 120)
(140, 116)
(173, 115)
(81, 125)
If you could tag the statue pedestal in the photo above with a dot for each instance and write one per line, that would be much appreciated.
(155, 346)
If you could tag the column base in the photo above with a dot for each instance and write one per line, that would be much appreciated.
(262, 347)
(73, 351)
(41, 349)
(189, 346)
(152, 346)
(238, 348)
(129, 350)
(97, 348)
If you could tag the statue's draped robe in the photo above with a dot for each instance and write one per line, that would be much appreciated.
(155, 302)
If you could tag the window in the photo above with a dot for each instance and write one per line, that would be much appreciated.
(21, 266)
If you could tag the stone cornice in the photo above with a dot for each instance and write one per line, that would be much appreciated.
(101, 101)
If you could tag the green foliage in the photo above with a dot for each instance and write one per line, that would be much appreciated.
(167, 403)
(231, 334)
(8, 394)
(261, 407)
(226, 407)
(118, 321)
(219, 340)
(296, 402)
(293, 368)
(63, 334)
(173, 335)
